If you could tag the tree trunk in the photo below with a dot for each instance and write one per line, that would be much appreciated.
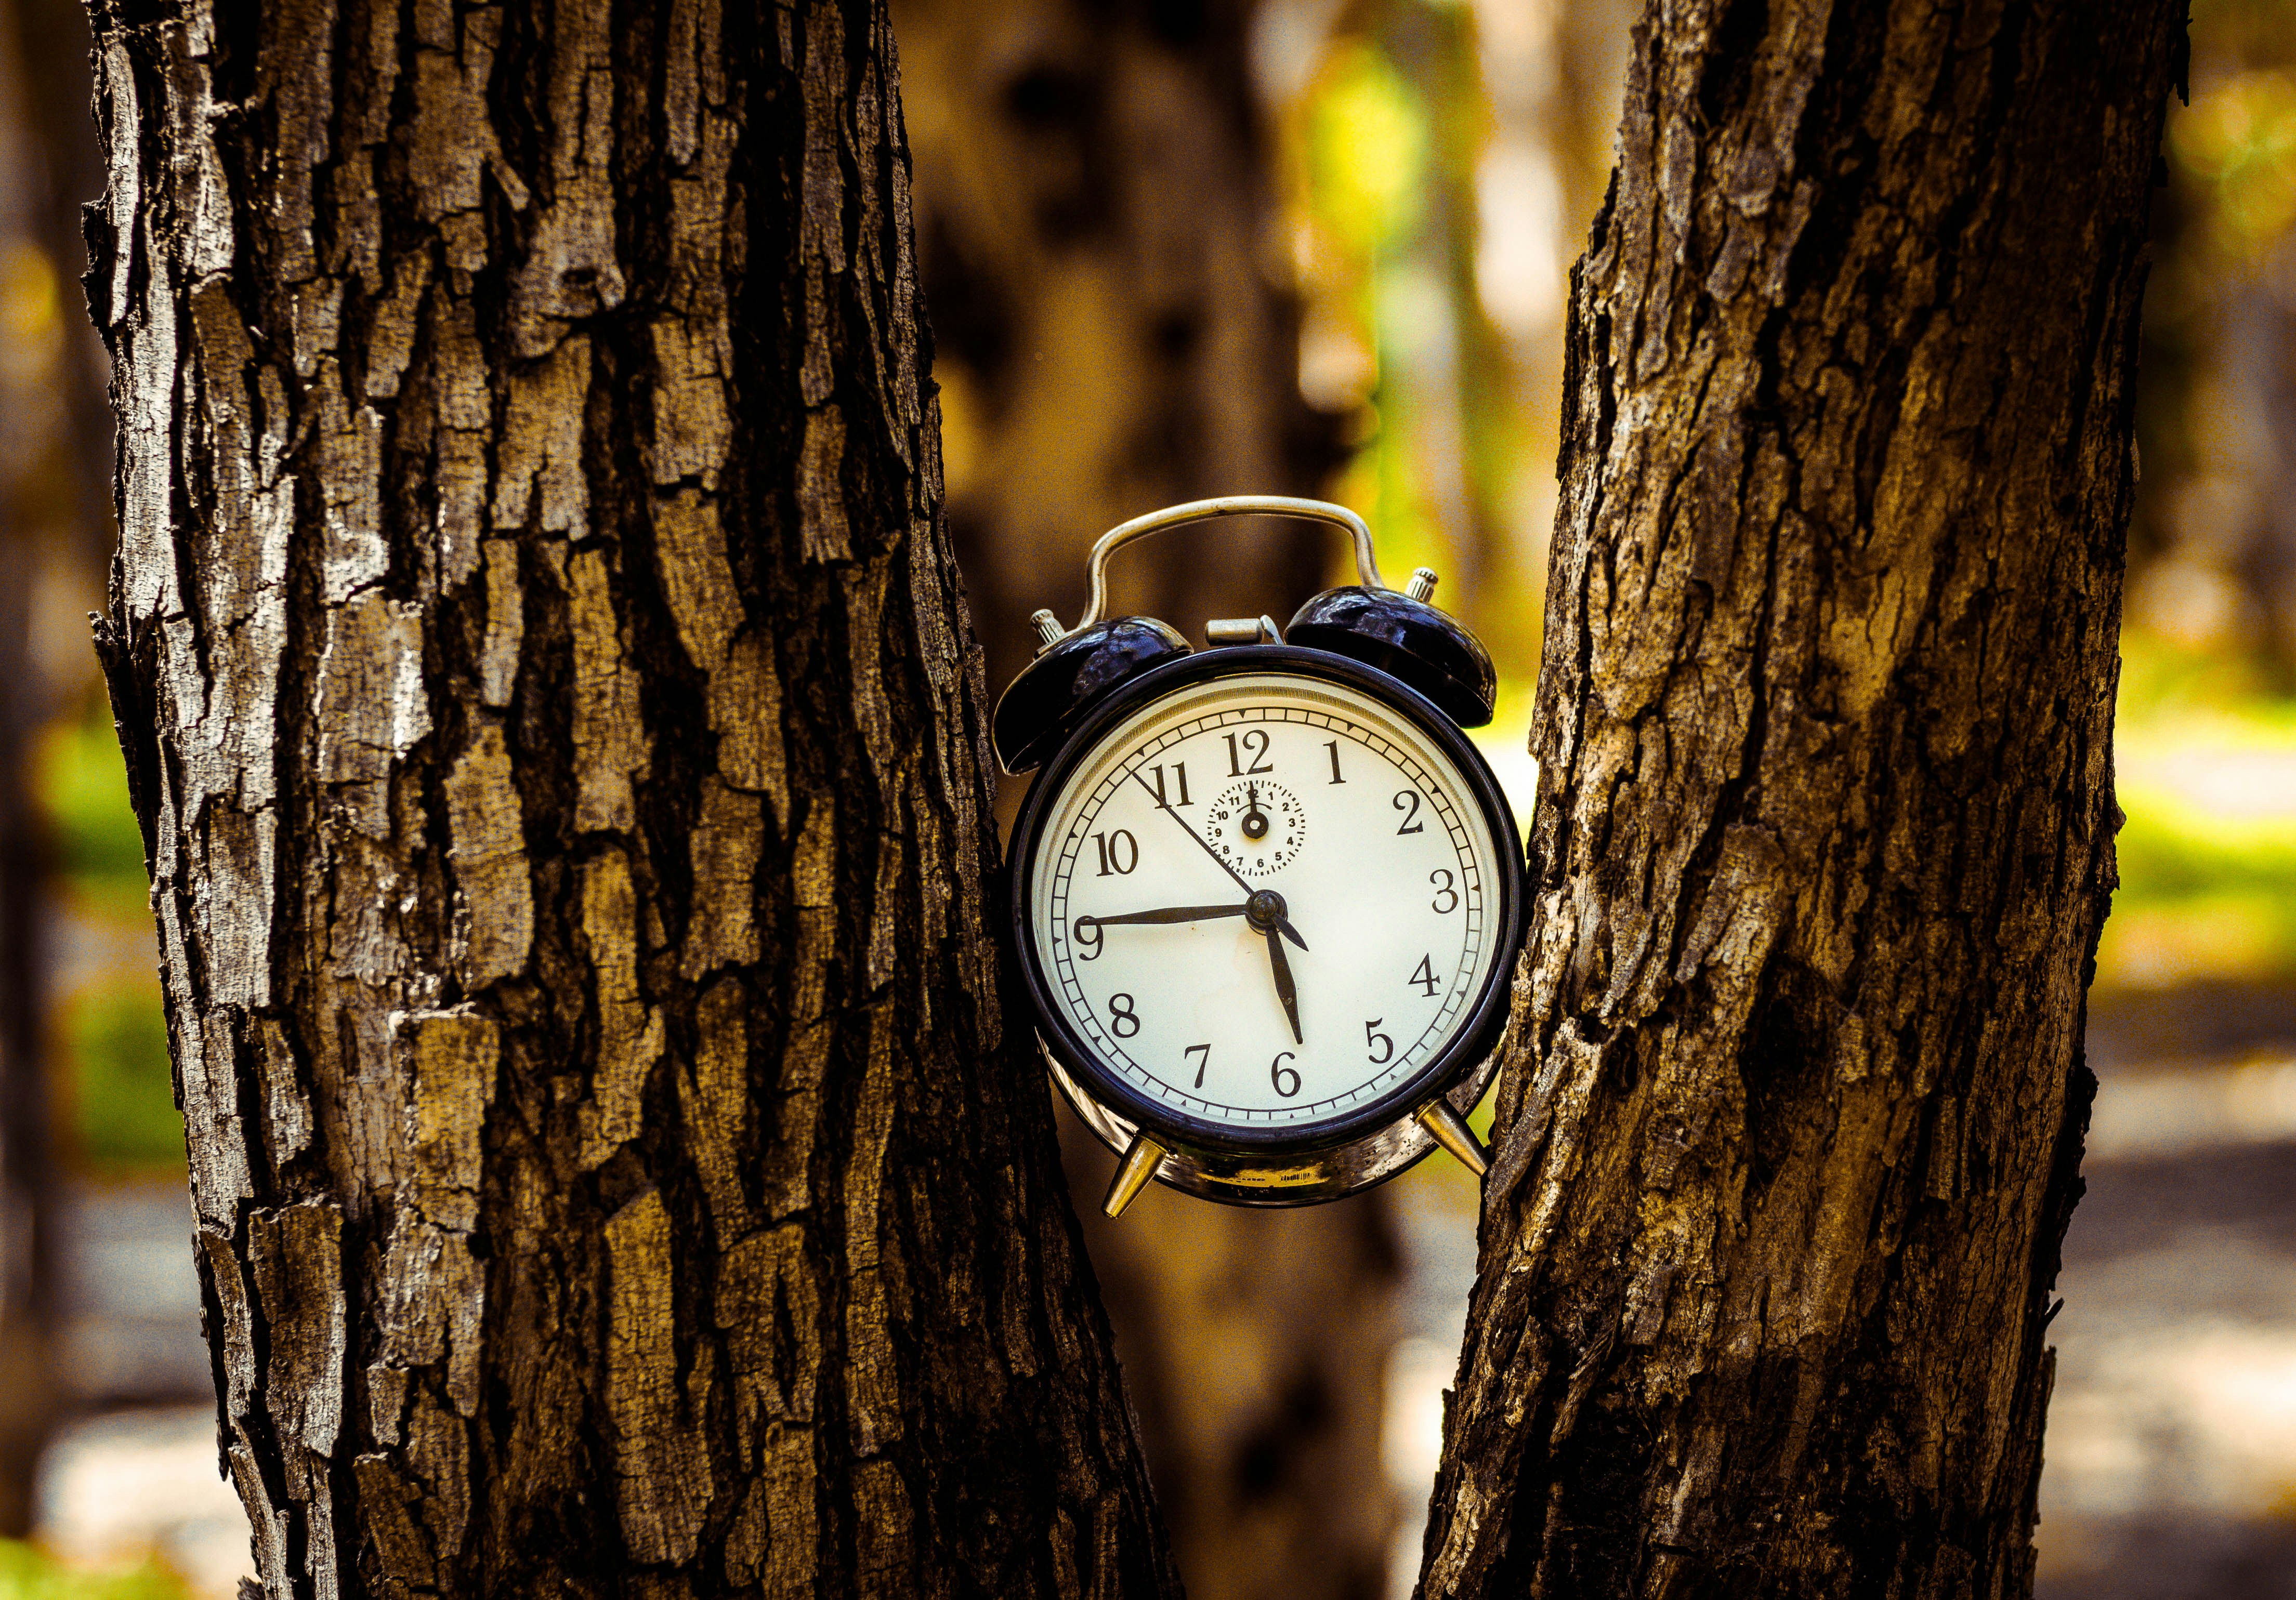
(27, 1177)
(536, 647)
(1102, 250)
(1097, 228)
(28, 1386)
(28, 445)
(52, 43)
(1791, 1124)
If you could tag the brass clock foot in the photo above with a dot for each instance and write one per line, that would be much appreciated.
(1451, 1131)
(1133, 1173)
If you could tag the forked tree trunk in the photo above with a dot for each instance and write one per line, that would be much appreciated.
(1794, 1099)
(1097, 212)
(537, 651)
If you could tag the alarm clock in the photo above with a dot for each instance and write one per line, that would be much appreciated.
(1266, 895)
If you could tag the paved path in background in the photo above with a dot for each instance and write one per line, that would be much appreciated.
(2171, 1450)
(2171, 1469)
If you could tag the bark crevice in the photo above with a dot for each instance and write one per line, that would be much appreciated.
(612, 1169)
(1788, 1128)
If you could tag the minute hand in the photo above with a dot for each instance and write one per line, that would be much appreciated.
(1283, 924)
(1170, 913)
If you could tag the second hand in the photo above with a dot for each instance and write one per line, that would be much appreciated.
(1191, 833)
(1283, 924)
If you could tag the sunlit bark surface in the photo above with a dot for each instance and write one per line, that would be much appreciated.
(1791, 1122)
(536, 647)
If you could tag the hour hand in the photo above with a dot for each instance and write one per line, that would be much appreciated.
(1170, 913)
(1284, 989)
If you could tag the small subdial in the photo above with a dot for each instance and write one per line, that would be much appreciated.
(1257, 827)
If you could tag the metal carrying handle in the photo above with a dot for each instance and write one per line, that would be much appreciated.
(1227, 505)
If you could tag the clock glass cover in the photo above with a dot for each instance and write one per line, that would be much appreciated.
(1265, 906)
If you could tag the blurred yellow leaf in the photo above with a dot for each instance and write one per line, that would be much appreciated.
(2239, 138)
(1366, 152)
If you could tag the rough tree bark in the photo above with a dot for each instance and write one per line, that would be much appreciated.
(1793, 1103)
(1096, 218)
(537, 648)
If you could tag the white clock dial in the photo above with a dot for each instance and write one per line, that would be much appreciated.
(1266, 901)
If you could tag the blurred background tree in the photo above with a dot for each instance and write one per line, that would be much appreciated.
(1114, 330)
(2216, 536)
(54, 482)
(1321, 246)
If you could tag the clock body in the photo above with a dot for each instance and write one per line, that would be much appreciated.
(1267, 900)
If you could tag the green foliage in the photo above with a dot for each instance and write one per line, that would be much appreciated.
(2232, 151)
(119, 1090)
(28, 1575)
(99, 849)
(2239, 140)
(123, 1091)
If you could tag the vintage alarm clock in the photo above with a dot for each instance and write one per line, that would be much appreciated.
(1266, 895)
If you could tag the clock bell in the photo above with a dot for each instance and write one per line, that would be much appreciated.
(1394, 629)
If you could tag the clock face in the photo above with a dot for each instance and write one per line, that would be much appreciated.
(1268, 903)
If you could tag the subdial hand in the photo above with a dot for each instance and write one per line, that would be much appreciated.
(1254, 821)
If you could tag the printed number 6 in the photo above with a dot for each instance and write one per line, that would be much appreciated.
(1277, 1072)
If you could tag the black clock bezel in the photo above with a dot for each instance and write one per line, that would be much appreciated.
(1485, 1016)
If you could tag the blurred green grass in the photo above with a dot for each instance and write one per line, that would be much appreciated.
(28, 1573)
(2206, 892)
(2198, 899)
